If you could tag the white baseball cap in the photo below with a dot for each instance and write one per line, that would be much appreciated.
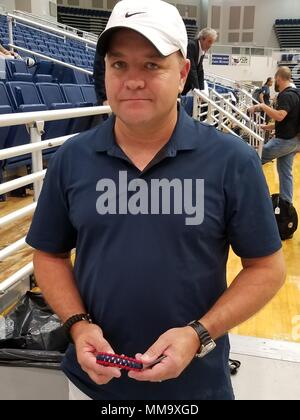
(156, 20)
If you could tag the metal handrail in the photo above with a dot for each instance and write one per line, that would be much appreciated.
(198, 95)
(31, 117)
(15, 278)
(29, 148)
(54, 60)
(233, 83)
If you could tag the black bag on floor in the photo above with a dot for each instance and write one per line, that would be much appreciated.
(286, 217)
(32, 335)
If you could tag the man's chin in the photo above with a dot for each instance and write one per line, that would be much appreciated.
(134, 119)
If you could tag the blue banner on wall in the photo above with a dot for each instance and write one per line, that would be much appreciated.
(220, 59)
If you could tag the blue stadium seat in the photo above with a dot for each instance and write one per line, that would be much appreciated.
(5, 108)
(27, 99)
(89, 94)
(19, 71)
(74, 94)
(53, 97)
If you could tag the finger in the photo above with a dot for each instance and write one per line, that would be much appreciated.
(154, 352)
(90, 364)
(159, 372)
(99, 379)
(138, 356)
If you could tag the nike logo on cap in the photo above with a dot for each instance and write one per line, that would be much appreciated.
(128, 15)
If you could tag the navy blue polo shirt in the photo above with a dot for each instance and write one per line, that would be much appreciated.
(144, 272)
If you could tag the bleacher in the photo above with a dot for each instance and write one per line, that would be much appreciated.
(44, 86)
(90, 20)
(219, 88)
(291, 61)
(288, 33)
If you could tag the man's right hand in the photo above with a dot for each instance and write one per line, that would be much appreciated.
(89, 341)
(267, 127)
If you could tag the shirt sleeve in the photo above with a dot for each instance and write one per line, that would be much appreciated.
(51, 229)
(251, 223)
(287, 102)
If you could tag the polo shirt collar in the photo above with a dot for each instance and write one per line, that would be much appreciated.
(183, 137)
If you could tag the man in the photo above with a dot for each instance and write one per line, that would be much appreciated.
(197, 48)
(285, 144)
(151, 200)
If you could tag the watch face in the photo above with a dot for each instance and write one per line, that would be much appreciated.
(205, 350)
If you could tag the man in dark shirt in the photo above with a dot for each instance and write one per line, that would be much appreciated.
(152, 200)
(286, 143)
(197, 48)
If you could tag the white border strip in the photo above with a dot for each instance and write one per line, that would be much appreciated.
(265, 348)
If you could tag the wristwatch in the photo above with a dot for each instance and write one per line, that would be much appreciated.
(73, 320)
(207, 344)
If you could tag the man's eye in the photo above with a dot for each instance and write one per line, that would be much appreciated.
(152, 66)
(119, 65)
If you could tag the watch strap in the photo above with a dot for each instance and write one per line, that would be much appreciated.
(206, 342)
(73, 320)
(202, 332)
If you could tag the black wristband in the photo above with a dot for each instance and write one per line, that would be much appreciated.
(73, 320)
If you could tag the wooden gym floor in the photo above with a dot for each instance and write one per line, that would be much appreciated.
(277, 321)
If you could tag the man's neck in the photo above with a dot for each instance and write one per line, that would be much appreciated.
(152, 137)
(284, 86)
(141, 144)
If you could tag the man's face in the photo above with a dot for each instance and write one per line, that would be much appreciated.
(206, 43)
(141, 86)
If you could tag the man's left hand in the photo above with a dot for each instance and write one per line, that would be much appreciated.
(179, 345)
(255, 108)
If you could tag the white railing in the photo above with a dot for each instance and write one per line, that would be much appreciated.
(35, 123)
(224, 115)
(53, 60)
(242, 92)
(223, 81)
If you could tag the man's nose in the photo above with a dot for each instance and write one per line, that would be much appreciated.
(134, 83)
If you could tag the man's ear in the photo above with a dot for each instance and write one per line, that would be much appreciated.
(184, 72)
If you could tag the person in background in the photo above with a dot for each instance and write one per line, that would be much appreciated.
(265, 98)
(197, 48)
(265, 95)
(285, 144)
(5, 53)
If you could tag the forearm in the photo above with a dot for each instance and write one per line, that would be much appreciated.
(271, 112)
(252, 289)
(4, 51)
(55, 277)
